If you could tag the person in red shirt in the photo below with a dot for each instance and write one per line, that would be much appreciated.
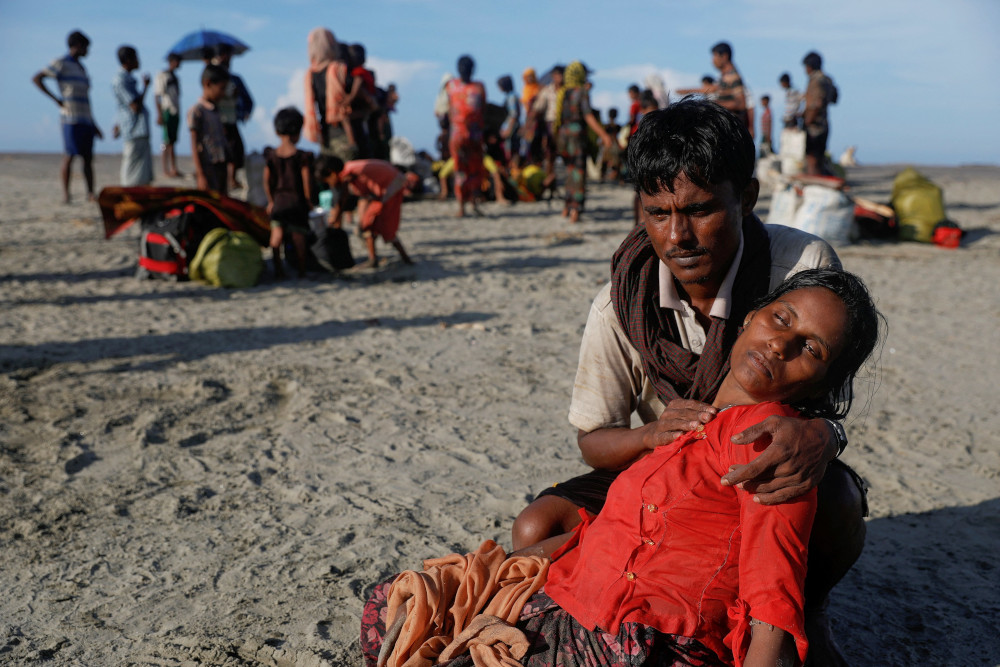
(379, 187)
(678, 565)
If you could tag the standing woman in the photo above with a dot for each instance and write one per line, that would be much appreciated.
(530, 131)
(327, 119)
(573, 115)
(510, 130)
(466, 103)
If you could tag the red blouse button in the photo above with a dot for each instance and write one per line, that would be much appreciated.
(630, 576)
(651, 507)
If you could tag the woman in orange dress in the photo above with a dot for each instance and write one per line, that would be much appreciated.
(466, 102)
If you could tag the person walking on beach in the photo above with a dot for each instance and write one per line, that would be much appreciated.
(133, 120)
(167, 95)
(820, 93)
(78, 126)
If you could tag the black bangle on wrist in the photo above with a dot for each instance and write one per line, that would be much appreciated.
(838, 431)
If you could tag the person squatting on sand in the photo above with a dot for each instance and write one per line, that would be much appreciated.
(658, 337)
(287, 184)
(379, 187)
(78, 126)
(677, 568)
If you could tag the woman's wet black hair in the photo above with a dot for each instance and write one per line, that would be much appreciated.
(466, 65)
(328, 164)
(505, 83)
(693, 137)
(860, 338)
(288, 122)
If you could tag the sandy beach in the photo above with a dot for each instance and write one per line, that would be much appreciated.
(191, 475)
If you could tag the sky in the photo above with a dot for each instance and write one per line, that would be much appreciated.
(916, 77)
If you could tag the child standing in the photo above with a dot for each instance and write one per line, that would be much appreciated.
(208, 138)
(766, 147)
(379, 187)
(287, 174)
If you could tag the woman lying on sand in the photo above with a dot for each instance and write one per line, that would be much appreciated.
(678, 569)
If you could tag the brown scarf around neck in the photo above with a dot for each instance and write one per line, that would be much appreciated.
(674, 371)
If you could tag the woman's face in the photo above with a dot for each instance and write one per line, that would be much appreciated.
(787, 347)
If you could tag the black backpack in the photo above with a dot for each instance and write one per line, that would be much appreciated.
(170, 239)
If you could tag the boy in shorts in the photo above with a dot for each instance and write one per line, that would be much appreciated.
(78, 126)
(167, 93)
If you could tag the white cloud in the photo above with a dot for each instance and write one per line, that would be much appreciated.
(638, 73)
(399, 72)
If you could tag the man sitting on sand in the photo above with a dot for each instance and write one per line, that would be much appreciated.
(703, 259)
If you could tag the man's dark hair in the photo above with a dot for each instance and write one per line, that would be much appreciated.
(860, 338)
(785, 78)
(633, 89)
(214, 74)
(466, 65)
(612, 113)
(765, 98)
(813, 60)
(125, 53)
(328, 164)
(173, 56)
(356, 54)
(207, 53)
(707, 80)
(77, 38)
(505, 83)
(693, 137)
(723, 49)
(288, 122)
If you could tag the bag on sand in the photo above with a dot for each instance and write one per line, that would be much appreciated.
(818, 209)
(228, 259)
(168, 239)
(329, 247)
(919, 206)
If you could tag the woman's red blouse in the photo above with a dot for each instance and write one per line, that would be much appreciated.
(675, 550)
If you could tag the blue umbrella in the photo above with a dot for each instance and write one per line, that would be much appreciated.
(192, 45)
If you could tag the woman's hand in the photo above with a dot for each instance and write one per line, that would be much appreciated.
(793, 462)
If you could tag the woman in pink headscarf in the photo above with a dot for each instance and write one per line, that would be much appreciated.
(327, 111)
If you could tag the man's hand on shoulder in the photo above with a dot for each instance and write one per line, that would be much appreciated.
(794, 461)
(680, 416)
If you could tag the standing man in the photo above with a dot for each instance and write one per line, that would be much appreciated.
(235, 106)
(793, 101)
(729, 89)
(820, 93)
(133, 120)
(78, 126)
(167, 95)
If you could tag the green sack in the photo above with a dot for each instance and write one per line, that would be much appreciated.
(919, 206)
(227, 259)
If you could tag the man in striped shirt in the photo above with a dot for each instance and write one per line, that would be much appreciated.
(78, 126)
